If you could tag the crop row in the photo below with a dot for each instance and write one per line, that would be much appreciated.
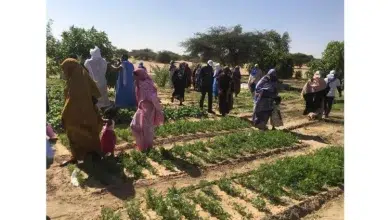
(181, 127)
(295, 177)
(200, 153)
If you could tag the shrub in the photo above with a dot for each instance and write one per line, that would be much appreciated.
(52, 68)
(161, 75)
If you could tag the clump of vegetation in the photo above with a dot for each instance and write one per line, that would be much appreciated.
(184, 112)
(241, 209)
(161, 75)
(226, 186)
(208, 190)
(162, 207)
(109, 214)
(134, 162)
(211, 205)
(156, 155)
(259, 204)
(134, 211)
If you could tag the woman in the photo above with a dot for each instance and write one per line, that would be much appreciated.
(124, 89)
(195, 76)
(333, 83)
(237, 80)
(179, 80)
(188, 72)
(149, 113)
(265, 93)
(97, 68)
(217, 71)
(254, 77)
(225, 91)
(80, 117)
(141, 65)
(314, 92)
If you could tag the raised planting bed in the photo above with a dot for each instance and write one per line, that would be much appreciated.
(232, 148)
(272, 190)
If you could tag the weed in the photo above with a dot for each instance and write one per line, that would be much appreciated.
(109, 214)
(134, 211)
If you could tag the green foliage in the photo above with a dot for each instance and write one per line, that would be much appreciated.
(143, 54)
(226, 186)
(191, 127)
(332, 59)
(241, 209)
(178, 201)
(166, 56)
(51, 43)
(109, 214)
(161, 75)
(210, 192)
(134, 162)
(211, 205)
(52, 68)
(232, 46)
(299, 59)
(79, 41)
(259, 204)
(156, 155)
(184, 112)
(134, 211)
(55, 93)
(162, 207)
(303, 174)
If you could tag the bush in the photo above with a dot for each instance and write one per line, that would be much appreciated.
(161, 75)
(52, 68)
(166, 56)
(298, 74)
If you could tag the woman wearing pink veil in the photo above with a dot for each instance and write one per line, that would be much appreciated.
(149, 112)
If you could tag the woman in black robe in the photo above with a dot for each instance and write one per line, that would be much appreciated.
(225, 91)
(179, 80)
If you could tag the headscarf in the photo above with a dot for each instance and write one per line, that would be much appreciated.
(210, 63)
(331, 76)
(95, 53)
(268, 82)
(318, 84)
(146, 91)
(254, 70)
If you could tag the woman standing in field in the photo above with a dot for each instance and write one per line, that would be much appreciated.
(149, 113)
(254, 77)
(179, 80)
(188, 72)
(314, 92)
(124, 89)
(225, 91)
(217, 71)
(237, 80)
(333, 83)
(97, 68)
(80, 117)
(195, 75)
(265, 93)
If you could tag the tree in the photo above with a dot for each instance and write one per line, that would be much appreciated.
(79, 41)
(143, 54)
(333, 57)
(119, 52)
(166, 56)
(52, 44)
(232, 46)
(299, 59)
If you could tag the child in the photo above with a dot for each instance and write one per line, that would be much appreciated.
(276, 117)
(108, 138)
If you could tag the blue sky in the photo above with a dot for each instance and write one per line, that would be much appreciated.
(163, 24)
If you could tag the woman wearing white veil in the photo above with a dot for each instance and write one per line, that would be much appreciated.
(97, 68)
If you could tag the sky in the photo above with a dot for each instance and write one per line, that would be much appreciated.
(162, 25)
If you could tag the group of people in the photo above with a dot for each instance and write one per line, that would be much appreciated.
(319, 95)
(86, 97)
(217, 82)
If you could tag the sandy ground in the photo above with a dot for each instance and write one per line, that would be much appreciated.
(332, 210)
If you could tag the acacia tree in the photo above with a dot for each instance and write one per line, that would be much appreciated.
(232, 46)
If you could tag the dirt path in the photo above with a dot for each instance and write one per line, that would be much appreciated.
(332, 210)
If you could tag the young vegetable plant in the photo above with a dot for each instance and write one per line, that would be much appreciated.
(134, 211)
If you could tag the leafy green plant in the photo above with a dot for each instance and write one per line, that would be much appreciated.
(134, 211)
(226, 186)
(55, 95)
(52, 68)
(210, 192)
(211, 205)
(109, 214)
(259, 204)
(181, 204)
(134, 162)
(164, 208)
(156, 155)
(161, 75)
(241, 209)
(183, 112)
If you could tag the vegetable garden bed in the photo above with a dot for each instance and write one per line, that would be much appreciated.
(278, 190)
